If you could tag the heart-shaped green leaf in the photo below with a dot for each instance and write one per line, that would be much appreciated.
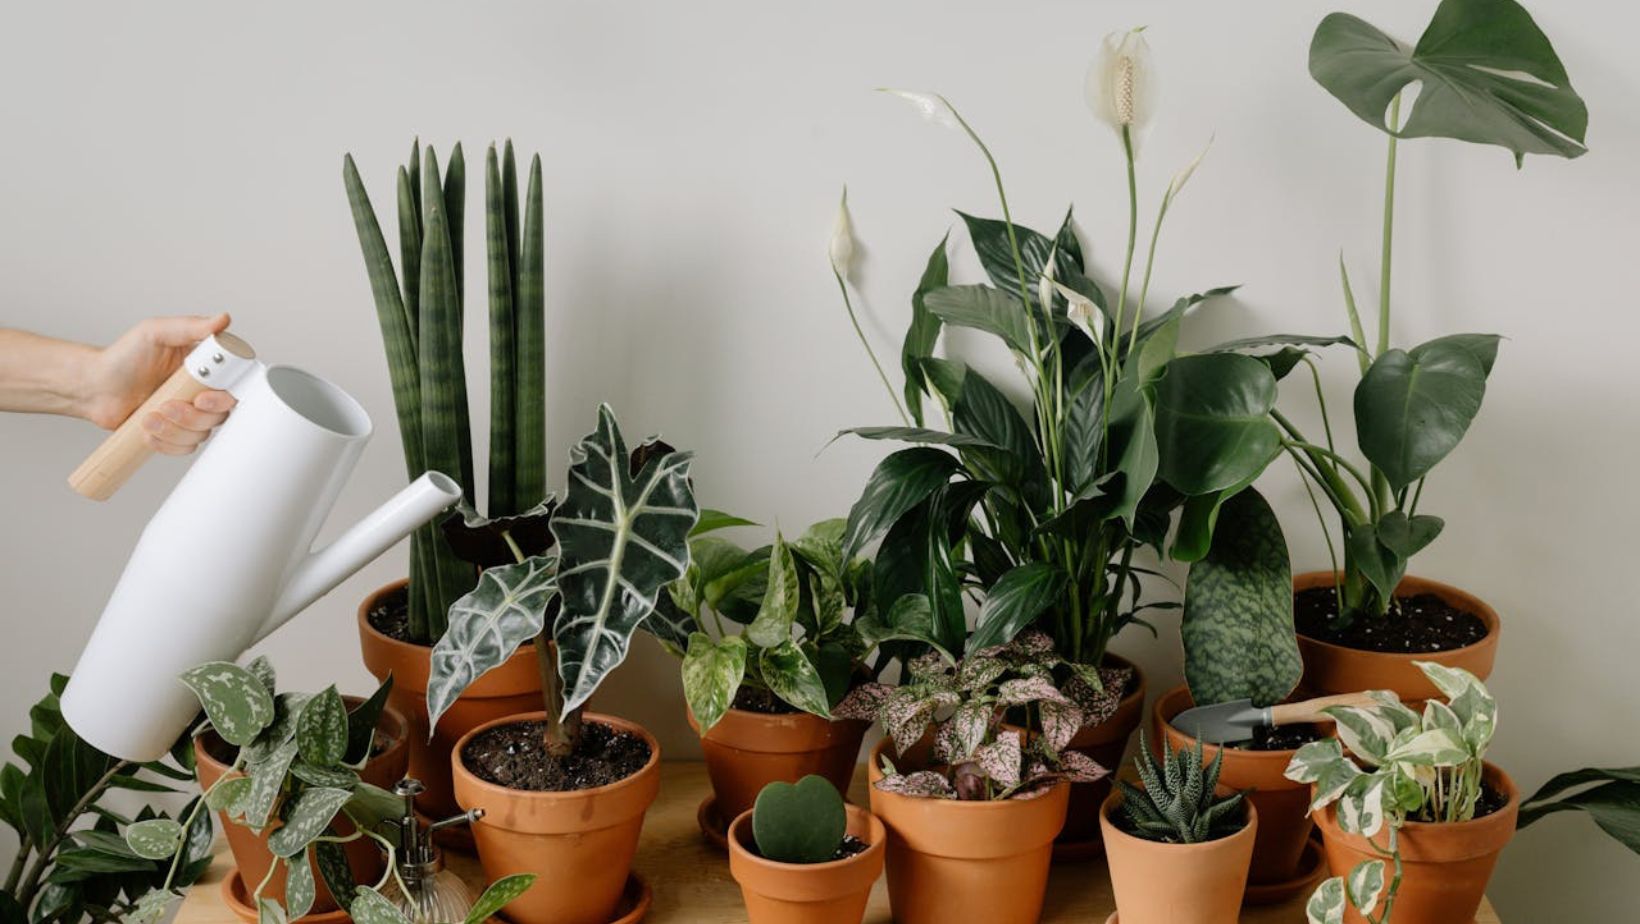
(802, 822)
(308, 818)
(154, 839)
(712, 672)
(1213, 426)
(1413, 407)
(235, 700)
(321, 729)
(792, 677)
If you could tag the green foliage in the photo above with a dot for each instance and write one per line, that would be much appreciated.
(78, 858)
(421, 322)
(1610, 796)
(801, 822)
(1178, 803)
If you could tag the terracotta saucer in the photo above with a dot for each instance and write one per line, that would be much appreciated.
(634, 904)
(238, 899)
(1078, 851)
(712, 825)
(1312, 865)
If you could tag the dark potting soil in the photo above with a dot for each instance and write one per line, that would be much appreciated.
(752, 699)
(850, 846)
(1490, 801)
(1280, 738)
(391, 615)
(1413, 624)
(515, 756)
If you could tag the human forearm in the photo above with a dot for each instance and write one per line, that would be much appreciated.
(42, 375)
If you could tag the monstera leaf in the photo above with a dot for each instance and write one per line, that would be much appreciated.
(506, 609)
(1238, 610)
(1486, 73)
(622, 537)
(485, 542)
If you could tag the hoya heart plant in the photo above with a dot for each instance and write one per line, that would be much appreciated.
(801, 822)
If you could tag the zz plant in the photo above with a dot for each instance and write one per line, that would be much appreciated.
(1178, 803)
(574, 578)
(1402, 766)
(421, 323)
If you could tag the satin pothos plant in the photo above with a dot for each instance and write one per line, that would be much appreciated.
(782, 618)
(575, 578)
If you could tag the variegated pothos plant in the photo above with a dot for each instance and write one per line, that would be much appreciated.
(594, 563)
(1405, 766)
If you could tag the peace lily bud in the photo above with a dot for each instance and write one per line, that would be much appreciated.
(842, 240)
(1044, 285)
(1183, 176)
(1121, 84)
(931, 106)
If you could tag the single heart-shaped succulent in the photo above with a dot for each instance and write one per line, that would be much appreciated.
(802, 822)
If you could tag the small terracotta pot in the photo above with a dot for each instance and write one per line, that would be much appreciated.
(1104, 743)
(1284, 822)
(807, 893)
(1444, 867)
(579, 844)
(1157, 883)
(250, 849)
(509, 689)
(1330, 668)
(746, 751)
(966, 861)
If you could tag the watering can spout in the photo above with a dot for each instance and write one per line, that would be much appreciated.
(321, 571)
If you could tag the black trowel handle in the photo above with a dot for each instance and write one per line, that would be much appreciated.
(1310, 710)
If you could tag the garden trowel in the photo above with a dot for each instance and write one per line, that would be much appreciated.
(1226, 723)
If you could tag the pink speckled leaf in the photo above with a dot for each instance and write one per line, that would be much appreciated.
(1060, 723)
(1080, 768)
(1029, 690)
(929, 668)
(1001, 759)
(923, 783)
(908, 710)
(977, 673)
(864, 702)
(962, 734)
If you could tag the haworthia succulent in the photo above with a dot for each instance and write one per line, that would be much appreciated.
(530, 483)
(503, 346)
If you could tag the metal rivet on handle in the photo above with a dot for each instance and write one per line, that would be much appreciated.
(216, 357)
(204, 372)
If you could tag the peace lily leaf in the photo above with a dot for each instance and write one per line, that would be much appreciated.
(235, 700)
(623, 536)
(485, 542)
(1131, 435)
(1486, 74)
(1365, 885)
(154, 839)
(1213, 426)
(983, 411)
(924, 330)
(1253, 343)
(919, 435)
(506, 609)
(1326, 904)
(773, 624)
(710, 521)
(901, 481)
(300, 890)
(910, 619)
(369, 907)
(498, 895)
(793, 678)
(1614, 803)
(1015, 601)
(308, 818)
(321, 729)
(984, 308)
(1180, 309)
(996, 254)
(1237, 628)
(1413, 407)
(712, 672)
(267, 779)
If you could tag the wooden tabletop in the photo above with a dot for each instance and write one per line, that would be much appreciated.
(691, 880)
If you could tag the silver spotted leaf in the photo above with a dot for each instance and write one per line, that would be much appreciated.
(321, 729)
(309, 816)
(369, 907)
(154, 839)
(235, 700)
(331, 861)
(300, 890)
(622, 537)
(506, 609)
(267, 779)
(499, 893)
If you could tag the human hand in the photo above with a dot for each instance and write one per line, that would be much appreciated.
(123, 374)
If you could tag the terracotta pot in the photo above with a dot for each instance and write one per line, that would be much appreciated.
(746, 751)
(579, 844)
(1330, 668)
(807, 893)
(1104, 743)
(250, 849)
(1284, 823)
(512, 688)
(966, 861)
(1444, 867)
(1157, 883)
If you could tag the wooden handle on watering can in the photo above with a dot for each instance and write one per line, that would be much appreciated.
(1310, 710)
(111, 464)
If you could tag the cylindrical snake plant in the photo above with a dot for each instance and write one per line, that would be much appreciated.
(420, 312)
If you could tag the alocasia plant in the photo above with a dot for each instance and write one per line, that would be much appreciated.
(577, 578)
(964, 705)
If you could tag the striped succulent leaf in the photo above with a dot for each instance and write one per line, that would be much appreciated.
(529, 480)
(503, 344)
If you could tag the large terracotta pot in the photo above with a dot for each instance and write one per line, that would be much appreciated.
(512, 688)
(746, 751)
(1284, 823)
(1104, 743)
(250, 849)
(807, 893)
(966, 861)
(1157, 883)
(579, 844)
(1330, 668)
(1444, 867)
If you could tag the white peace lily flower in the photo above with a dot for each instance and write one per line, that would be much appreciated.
(1183, 176)
(1121, 84)
(1045, 284)
(1082, 313)
(931, 106)
(842, 239)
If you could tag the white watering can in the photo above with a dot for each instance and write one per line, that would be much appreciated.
(227, 558)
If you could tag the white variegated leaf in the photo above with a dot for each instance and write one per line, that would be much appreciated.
(1437, 747)
(1326, 905)
(506, 609)
(1311, 759)
(1393, 710)
(1364, 730)
(1335, 778)
(1451, 681)
(1365, 885)
(1361, 809)
(1439, 715)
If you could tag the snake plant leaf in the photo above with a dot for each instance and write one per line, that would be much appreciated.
(361, 724)
(300, 889)
(503, 345)
(455, 211)
(622, 537)
(1015, 601)
(781, 597)
(1414, 406)
(309, 816)
(410, 250)
(506, 609)
(984, 308)
(900, 482)
(1237, 627)
(712, 672)
(498, 895)
(369, 907)
(489, 542)
(1213, 426)
(1486, 74)
(924, 331)
(793, 677)
(529, 268)
(235, 701)
(154, 839)
(801, 822)
(321, 729)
